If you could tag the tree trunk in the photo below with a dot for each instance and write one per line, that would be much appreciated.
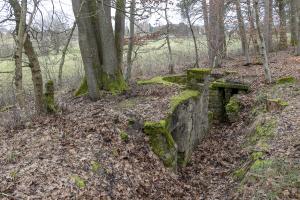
(216, 11)
(19, 54)
(64, 52)
(120, 29)
(99, 49)
(170, 56)
(282, 28)
(242, 31)
(193, 35)
(206, 26)
(293, 22)
(131, 41)
(34, 64)
(268, 21)
(298, 41)
(253, 34)
(263, 43)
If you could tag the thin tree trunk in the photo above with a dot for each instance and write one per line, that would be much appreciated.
(268, 24)
(206, 26)
(131, 41)
(170, 57)
(64, 52)
(282, 28)
(293, 22)
(194, 38)
(34, 64)
(19, 54)
(242, 31)
(120, 29)
(253, 34)
(298, 42)
(263, 43)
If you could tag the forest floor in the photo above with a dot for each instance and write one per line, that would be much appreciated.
(81, 154)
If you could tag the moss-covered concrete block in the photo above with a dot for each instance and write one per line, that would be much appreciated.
(162, 143)
(223, 84)
(233, 109)
(275, 104)
(196, 76)
(182, 97)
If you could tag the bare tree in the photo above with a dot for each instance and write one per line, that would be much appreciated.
(131, 40)
(186, 8)
(100, 47)
(252, 29)
(293, 21)
(242, 31)
(298, 15)
(64, 52)
(263, 43)
(282, 27)
(19, 53)
(170, 56)
(268, 24)
(32, 56)
(217, 35)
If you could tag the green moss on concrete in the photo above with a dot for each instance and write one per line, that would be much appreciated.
(223, 84)
(161, 142)
(82, 89)
(177, 79)
(233, 105)
(155, 80)
(197, 74)
(287, 79)
(182, 97)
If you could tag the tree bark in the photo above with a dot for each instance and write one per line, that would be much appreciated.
(64, 52)
(19, 54)
(253, 34)
(263, 43)
(242, 31)
(131, 41)
(298, 41)
(216, 13)
(170, 56)
(206, 26)
(120, 29)
(34, 64)
(293, 22)
(268, 24)
(282, 27)
(99, 49)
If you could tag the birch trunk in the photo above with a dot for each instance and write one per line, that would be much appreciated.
(293, 22)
